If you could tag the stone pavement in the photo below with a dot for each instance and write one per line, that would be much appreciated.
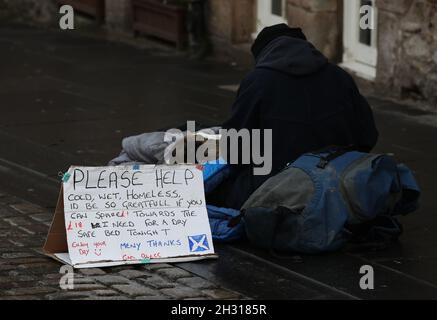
(25, 273)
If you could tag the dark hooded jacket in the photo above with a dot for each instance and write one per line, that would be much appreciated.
(308, 103)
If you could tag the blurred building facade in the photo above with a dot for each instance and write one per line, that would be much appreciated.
(398, 57)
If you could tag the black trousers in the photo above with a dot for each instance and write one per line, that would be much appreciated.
(235, 191)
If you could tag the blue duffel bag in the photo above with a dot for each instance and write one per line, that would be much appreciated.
(311, 206)
(221, 219)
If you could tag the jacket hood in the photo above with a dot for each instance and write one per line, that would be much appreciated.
(291, 55)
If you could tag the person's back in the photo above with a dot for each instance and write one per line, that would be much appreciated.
(308, 103)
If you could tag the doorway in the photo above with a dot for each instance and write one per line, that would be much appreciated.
(269, 12)
(360, 37)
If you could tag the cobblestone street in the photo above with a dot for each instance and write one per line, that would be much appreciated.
(26, 273)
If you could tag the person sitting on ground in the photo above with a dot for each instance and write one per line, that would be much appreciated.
(308, 102)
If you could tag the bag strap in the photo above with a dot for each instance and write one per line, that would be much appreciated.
(234, 221)
(334, 152)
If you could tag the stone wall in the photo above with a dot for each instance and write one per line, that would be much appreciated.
(29, 11)
(232, 21)
(230, 26)
(319, 19)
(219, 20)
(118, 16)
(407, 49)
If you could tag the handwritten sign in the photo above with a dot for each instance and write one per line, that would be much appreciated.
(136, 213)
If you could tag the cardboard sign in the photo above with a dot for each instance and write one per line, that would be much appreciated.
(110, 216)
